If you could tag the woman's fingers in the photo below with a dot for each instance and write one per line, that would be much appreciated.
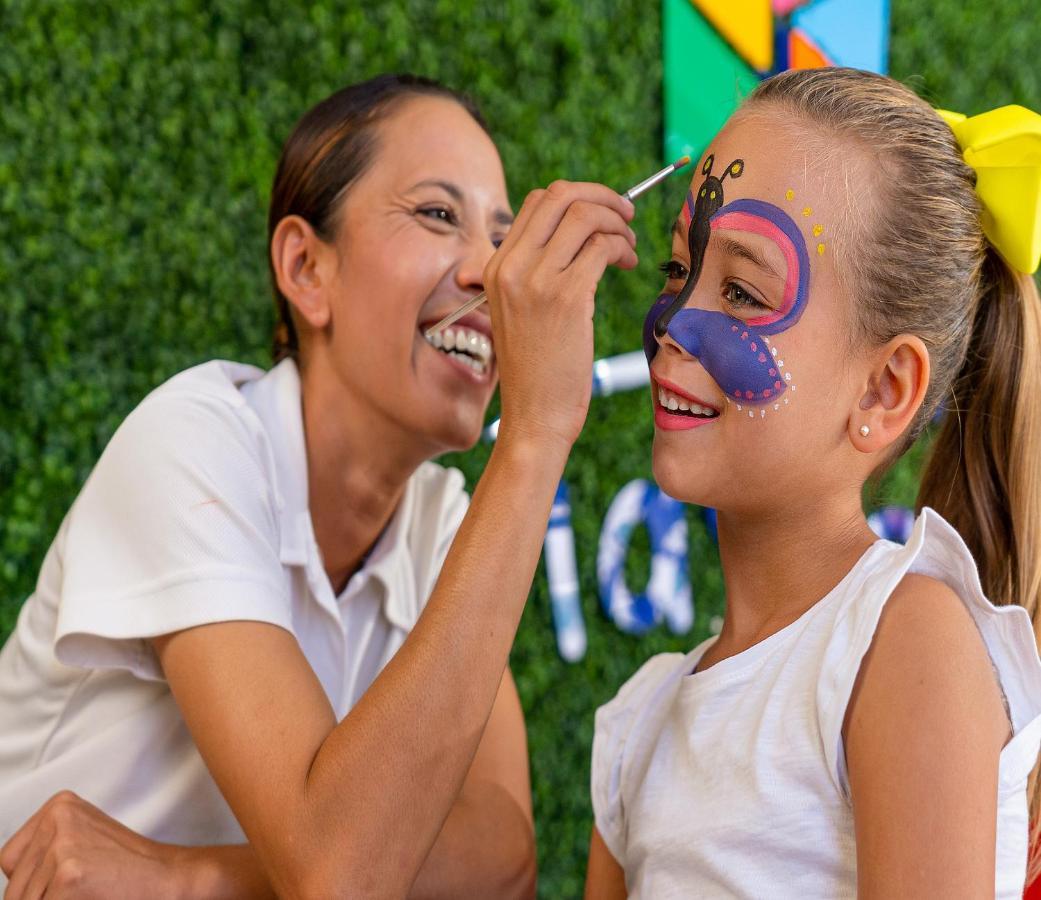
(28, 862)
(599, 252)
(12, 851)
(579, 223)
(528, 207)
(41, 880)
(558, 198)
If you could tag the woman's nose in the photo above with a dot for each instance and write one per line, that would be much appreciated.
(470, 272)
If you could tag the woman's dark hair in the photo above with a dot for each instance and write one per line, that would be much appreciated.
(332, 145)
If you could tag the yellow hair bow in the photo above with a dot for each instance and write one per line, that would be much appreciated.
(1004, 148)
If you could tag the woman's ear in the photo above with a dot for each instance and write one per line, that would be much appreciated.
(892, 395)
(297, 257)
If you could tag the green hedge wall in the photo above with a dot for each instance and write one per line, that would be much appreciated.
(137, 145)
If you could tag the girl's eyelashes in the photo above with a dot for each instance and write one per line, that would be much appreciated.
(739, 297)
(674, 270)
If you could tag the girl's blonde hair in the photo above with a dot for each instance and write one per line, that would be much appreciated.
(917, 262)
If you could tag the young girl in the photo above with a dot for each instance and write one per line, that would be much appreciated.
(867, 721)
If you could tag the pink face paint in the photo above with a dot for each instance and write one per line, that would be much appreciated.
(735, 352)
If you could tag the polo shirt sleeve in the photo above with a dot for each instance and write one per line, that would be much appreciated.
(177, 526)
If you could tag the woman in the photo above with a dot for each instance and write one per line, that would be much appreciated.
(229, 638)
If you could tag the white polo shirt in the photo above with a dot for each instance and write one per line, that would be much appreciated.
(196, 512)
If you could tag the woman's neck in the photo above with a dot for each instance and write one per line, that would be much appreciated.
(357, 468)
(779, 563)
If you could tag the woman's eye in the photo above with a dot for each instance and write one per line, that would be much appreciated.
(674, 271)
(738, 296)
(441, 213)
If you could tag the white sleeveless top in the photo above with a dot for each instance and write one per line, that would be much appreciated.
(732, 782)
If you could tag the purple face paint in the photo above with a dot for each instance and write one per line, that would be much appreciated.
(735, 352)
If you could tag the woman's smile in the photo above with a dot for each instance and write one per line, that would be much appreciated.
(466, 346)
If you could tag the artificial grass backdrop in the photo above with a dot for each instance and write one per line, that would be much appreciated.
(137, 147)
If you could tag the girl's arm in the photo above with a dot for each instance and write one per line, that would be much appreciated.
(605, 879)
(923, 735)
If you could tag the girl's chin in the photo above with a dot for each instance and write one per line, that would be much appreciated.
(680, 476)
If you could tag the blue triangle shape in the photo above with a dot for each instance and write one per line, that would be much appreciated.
(851, 32)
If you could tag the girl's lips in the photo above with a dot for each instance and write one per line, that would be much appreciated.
(669, 421)
(678, 390)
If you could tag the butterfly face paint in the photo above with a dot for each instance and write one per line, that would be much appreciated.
(737, 353)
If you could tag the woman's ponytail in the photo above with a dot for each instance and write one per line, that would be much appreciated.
(984, 472)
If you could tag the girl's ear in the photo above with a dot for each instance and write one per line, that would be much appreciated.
(892, 395)
(297, 257)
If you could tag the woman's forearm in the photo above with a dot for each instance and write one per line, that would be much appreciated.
(414, 732)
(485, 848)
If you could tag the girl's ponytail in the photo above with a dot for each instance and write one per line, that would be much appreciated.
(984, 472)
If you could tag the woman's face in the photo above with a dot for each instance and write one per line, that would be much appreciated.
(752, 331)
(415, 234)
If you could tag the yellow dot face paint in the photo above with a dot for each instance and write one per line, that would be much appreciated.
(820, 249)
(806, 211)
(817, 230)
(789, 194)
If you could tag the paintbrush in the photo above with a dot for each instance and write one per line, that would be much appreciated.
(630, 195)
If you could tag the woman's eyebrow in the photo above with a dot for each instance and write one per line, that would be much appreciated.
(448, 187)
(743, 251)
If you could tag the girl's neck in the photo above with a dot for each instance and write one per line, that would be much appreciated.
(358, 466)
(778, 563)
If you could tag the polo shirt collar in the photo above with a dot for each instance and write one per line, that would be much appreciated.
(276, 400)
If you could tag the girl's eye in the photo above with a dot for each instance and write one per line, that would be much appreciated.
(674, 271)
(441, 213)
(739, 297)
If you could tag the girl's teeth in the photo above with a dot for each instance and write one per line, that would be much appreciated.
(674, 402)
(449, 340)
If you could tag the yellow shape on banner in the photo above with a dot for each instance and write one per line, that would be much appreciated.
(747, 25)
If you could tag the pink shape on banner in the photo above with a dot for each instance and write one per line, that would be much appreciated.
(783, 7)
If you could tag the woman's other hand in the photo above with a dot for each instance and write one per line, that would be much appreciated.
(70, 848)
(541, 286)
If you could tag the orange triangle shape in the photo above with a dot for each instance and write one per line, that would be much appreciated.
(803, 53)
(747, 25)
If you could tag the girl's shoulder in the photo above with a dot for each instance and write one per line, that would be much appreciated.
(925, 588)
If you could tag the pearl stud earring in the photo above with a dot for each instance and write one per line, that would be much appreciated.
(864, 430)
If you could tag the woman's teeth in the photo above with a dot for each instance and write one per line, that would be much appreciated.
(675, 403)
(469, 346)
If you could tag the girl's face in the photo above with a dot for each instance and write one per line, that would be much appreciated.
(415, 234)
(752, 330)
